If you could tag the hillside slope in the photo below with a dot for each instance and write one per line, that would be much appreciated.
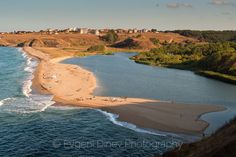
(76, 40)
(220, 144)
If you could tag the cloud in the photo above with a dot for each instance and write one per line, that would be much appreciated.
(222, 2)
(178, 5)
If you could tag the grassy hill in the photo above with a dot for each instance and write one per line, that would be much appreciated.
(76, 40)
(215, 60)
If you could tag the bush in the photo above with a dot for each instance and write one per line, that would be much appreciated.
(217, 57)
(110, 37)
(127, 43)
(138, 36)
(155, 41)
(100, 48)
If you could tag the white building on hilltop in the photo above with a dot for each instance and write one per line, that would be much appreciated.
(83, 30)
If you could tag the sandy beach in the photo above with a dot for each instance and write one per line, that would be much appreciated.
(73, 85)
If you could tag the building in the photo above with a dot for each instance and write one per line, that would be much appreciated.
(75, 29)
(97, 32)
(135, 30)
(83, 30)
(144, 30)
(130, 31)
(104, 31)
(120, 31)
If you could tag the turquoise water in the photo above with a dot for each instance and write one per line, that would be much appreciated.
(30, 126)
(119, 76)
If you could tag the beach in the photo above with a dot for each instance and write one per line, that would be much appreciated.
(73, 85)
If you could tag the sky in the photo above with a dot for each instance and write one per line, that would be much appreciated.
(159, 14)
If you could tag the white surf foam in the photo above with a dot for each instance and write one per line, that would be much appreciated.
(66, 107)
(26, 89)
(3, 101)
(113, 118)
(30, 67)
(27, 105)
(37, 102)
(31, 102)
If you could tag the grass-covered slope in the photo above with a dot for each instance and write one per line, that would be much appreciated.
(219, 58)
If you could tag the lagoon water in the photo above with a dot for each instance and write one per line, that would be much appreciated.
(30, 126)
(119, 76)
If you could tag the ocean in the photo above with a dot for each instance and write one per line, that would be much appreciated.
(31, 126)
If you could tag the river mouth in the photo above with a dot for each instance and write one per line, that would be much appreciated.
(31, 126)
(31, 129)
(119, 76)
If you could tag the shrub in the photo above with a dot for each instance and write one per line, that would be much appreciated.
(155, 41)
(96, 48)
(110, 37)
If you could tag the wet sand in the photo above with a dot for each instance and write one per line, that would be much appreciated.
(73, 85)
(164, 116)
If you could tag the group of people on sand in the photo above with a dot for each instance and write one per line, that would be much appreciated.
(111, 99)
(108, 99)
(87, 98)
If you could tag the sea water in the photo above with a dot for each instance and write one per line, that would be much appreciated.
(31, 126)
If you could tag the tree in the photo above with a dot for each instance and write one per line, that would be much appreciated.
(110, 37)
(153, 30)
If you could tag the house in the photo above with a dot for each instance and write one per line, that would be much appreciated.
(135, 30)
(97, 32)
(120, 31)
(144, 30)
(104, 30)
(83, 30)
(49, 30)
(75, 29)
(130, 31)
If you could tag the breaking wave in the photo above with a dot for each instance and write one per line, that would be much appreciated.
(30, 102)
(113, 118)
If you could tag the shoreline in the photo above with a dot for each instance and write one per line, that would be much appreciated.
(72, 85)
(225, 78)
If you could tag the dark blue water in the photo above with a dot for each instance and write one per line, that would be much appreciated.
(29, 126)
(11, 73)
(119, 76)
(74, 132)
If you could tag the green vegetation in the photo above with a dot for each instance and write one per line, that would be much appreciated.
(155, 41)
(219, 58)
(209, 36)
(127, 43)
(138, 36)
(108, 53)
(100, 48)
(218, 76)
(110, 37)
(154, 30)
